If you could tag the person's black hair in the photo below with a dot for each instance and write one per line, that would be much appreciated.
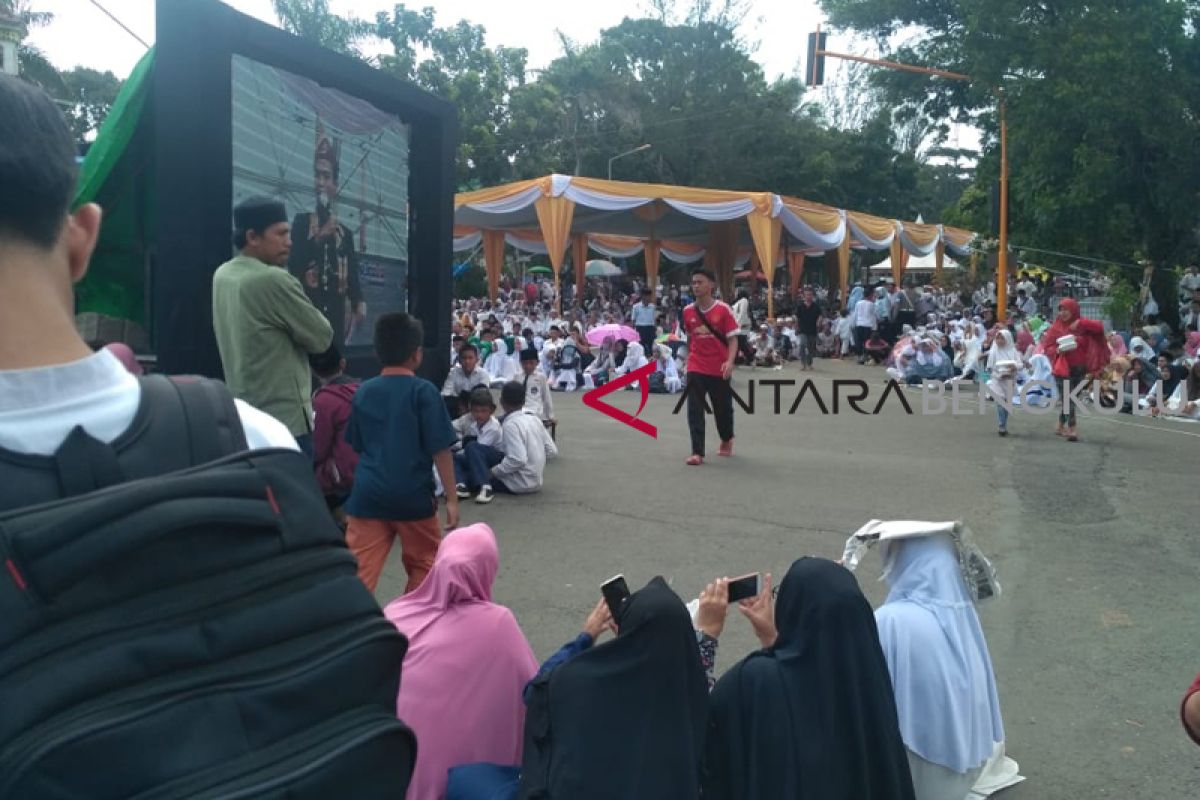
(481, 397)
(37, 165)
(458, 337)
(706, 272)
(527, 332)
(326, 364)
(486, 331)
(397, 338)
(513, 395)
(468, 348)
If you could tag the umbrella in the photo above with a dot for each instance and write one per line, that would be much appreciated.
(598, 334)
(598, 268)
(746, 275)
(543, 270)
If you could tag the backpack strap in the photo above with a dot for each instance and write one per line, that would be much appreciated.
(204, 408)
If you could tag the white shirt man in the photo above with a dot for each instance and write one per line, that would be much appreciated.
(864, 314)
(644, 314)
(459, 380)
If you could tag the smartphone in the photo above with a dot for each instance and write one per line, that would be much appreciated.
(745, 587)
(615, 592)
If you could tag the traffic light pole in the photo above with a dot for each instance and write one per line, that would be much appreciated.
(816, 76)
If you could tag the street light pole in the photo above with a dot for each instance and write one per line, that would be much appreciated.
(637, 149)
(1002, 256)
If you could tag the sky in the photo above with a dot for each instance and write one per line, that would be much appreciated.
(81, 35)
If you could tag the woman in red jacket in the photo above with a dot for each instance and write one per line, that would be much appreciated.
(1071, 367)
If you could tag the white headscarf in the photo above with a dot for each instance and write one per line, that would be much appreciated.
(1139, 349)
(945, 688)
(634, 358)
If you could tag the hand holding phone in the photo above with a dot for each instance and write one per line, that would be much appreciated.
(745, 587)
(615, 592)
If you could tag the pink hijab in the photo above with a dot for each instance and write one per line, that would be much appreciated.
(1117, 342)
(1192, 348)
(467, 663)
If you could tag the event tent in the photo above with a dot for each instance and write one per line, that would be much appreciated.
(922, 264)
(618, 219)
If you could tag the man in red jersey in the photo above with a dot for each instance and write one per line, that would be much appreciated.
(712, 346)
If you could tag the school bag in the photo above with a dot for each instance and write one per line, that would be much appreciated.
(180, 618)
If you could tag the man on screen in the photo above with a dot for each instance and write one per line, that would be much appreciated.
(323, 256)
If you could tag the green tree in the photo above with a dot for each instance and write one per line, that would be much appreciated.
(312, 20)
(456, 64)
(1103, 110)
(88, 96)
(34, 66)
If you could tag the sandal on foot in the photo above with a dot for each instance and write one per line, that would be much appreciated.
(694, 460)
(726, 448)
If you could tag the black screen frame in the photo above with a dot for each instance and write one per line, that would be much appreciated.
(193, 154)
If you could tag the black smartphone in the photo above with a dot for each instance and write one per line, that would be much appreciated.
(745, 587)
(615, 592)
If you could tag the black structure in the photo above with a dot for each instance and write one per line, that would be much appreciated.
(191, 108)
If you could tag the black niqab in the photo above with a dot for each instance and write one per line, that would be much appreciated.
(813, 717)
(626, 718)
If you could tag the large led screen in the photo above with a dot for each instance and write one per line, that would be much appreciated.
(340, 166)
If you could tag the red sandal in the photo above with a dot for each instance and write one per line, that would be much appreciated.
(694, 460)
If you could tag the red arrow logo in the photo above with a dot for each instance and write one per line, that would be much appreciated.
(592, 399)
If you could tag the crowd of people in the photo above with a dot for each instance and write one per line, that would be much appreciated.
(836, 702)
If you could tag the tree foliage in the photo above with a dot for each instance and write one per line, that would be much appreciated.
(1103, 102)
(312, 19)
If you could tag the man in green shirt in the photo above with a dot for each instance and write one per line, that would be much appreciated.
(265, 324)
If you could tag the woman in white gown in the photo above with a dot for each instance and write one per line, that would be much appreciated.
(941, 670)
(499, 365)
(666, 365)
(635, 359)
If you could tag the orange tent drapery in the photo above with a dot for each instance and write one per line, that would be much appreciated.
(721, 253)
(939, 256)
(843, 258)
(795, 270)
(555, 215)
(493, 260)
(897, 254)
(766, 233)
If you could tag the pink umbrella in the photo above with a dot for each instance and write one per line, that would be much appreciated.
(598, 334)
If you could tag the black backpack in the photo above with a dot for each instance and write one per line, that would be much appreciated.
(181, 618)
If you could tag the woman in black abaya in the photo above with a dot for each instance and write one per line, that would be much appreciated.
(811, 717)
(625, 719)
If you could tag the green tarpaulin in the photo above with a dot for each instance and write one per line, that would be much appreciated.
(118, 173)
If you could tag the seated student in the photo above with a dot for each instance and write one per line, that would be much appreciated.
(666, 373)
(603, 366)
(538, 399)
(624, 719)
(764, 349)
(526, 446)
(1185, 400)
(567, 370)
(827, 341)
(457, 341)
(334, 460)
(499, 365)
(466, 665)
(487, 342)
(876, 348)
(946, 697)
(928, 363)
(811, 716)
(1140, 383)
(478, 447)
(635, 359)
(462, 378)
(400, 431)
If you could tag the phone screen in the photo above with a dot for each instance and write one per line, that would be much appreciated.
(615, 592)
(745, 587)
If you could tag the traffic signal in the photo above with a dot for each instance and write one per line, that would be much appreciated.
(814, 75)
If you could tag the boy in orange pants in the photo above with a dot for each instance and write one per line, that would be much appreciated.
(400, 429)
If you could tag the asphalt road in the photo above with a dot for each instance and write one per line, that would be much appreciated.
(1093, 640)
